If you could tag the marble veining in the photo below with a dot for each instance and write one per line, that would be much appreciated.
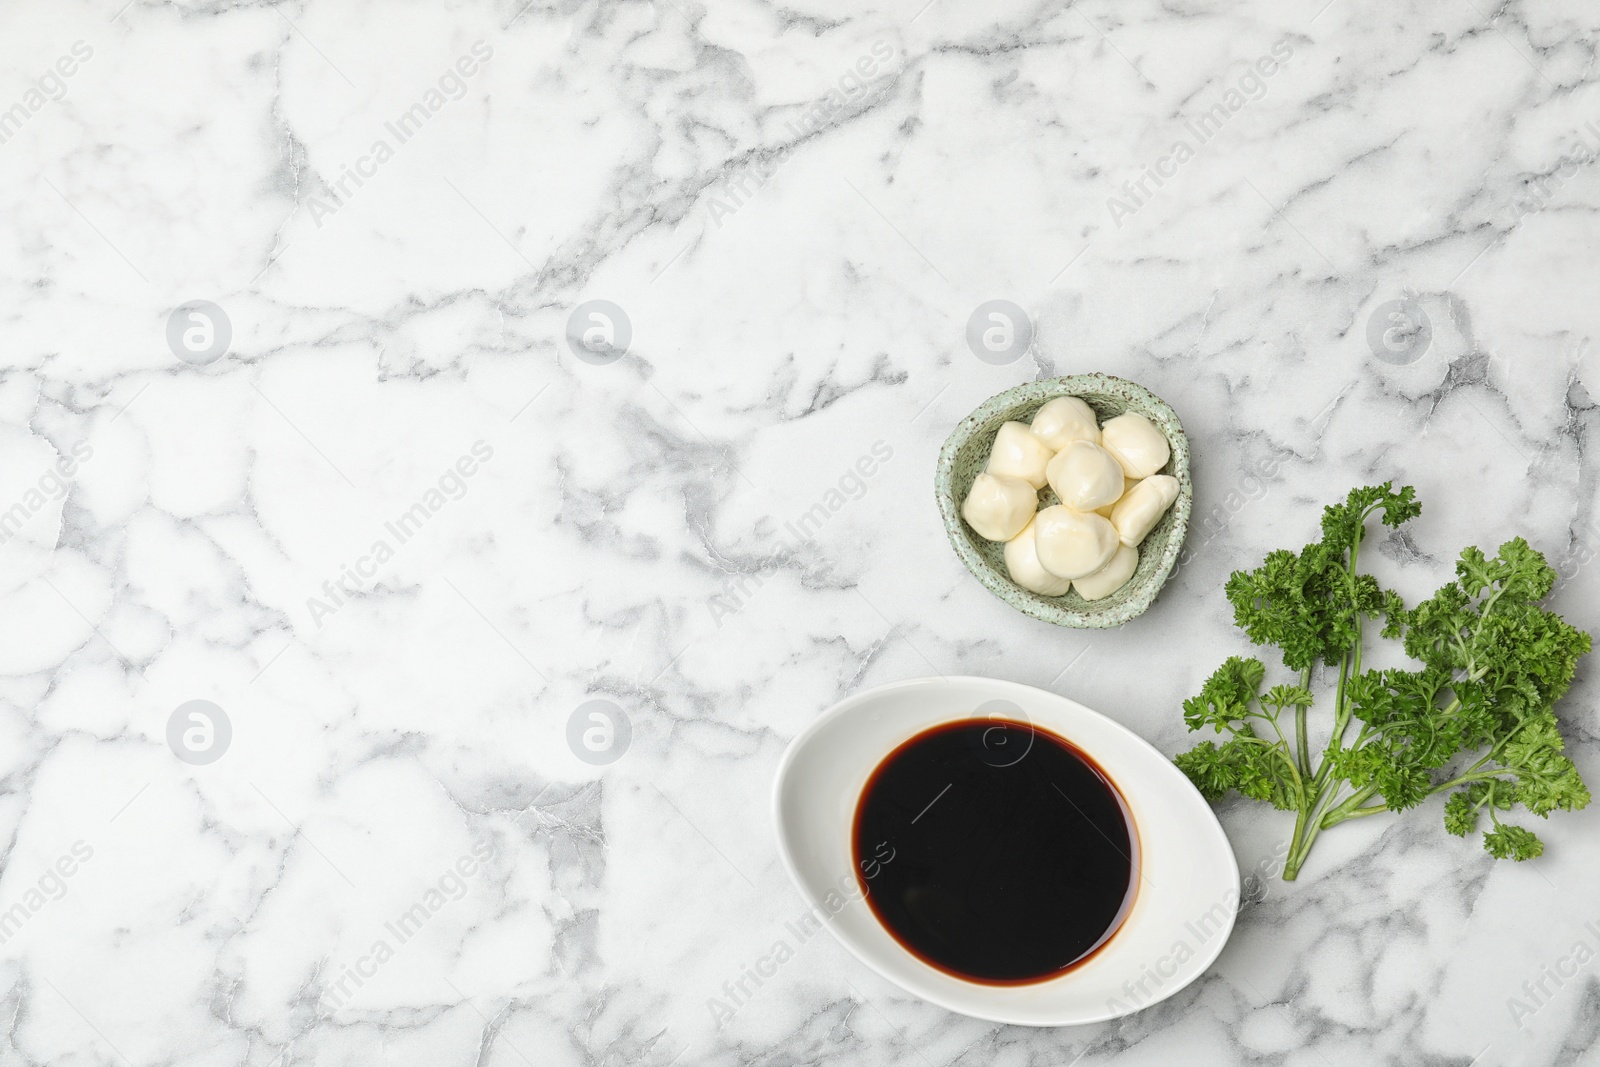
(450, 449)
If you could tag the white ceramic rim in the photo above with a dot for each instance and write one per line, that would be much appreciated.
(1187, 868)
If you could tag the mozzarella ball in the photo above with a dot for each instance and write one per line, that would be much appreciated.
(1137, 513)
(1017, 453)
(1085, 476)
(1064, 420)
(1022, 563)
(1138, 444)
(1072, 544)
(999, 507)
(1108, 579)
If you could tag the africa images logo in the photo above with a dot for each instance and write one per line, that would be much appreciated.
(451, 85)
(356, 579)
(1199, 131)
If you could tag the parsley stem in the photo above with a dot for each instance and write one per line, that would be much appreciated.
(1298, 846)
(1325, 768)
(1470, 775)
(1302, 742)
(1339, 814)
(1297, 856)
(1308, 823)
(1312, 818)
(1338, 694)
(1372, 809)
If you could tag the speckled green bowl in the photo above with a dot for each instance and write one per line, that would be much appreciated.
(967, 450)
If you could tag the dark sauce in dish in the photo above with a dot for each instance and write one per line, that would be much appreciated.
(995, 851)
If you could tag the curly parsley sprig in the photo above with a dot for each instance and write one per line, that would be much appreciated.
(1476, 721)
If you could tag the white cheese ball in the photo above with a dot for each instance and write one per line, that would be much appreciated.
(1138, 444)
(1022, 563)
(1085, 476)
(998, 507)
(1017, 453)
(1108, 579)
(1064, 420)
(1072, 544)
(1137, 513)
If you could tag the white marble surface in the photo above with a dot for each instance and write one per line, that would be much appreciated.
(416, 720)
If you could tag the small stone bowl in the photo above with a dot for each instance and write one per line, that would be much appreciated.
(966, 452)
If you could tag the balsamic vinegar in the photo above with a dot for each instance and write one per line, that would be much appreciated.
(995, 851)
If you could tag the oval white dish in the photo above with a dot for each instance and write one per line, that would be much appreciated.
(1188, 878)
